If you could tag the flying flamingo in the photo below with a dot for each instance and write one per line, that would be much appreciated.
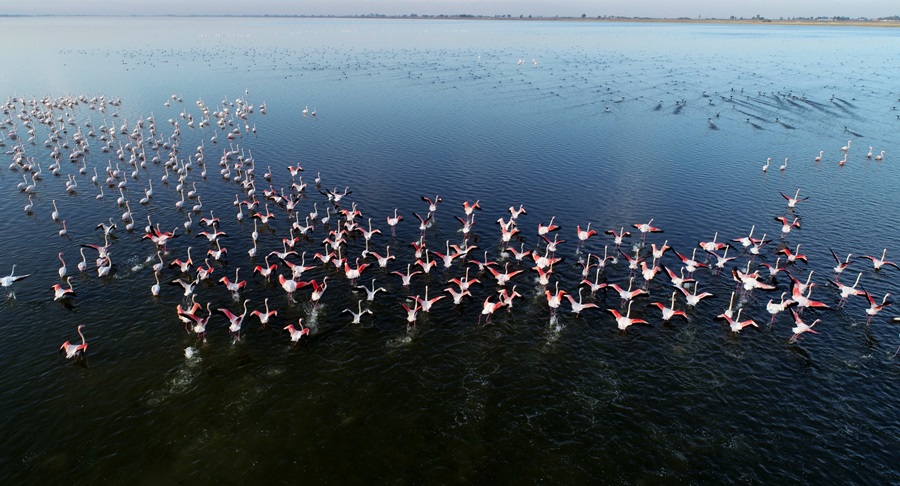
(75, 350)
(736, 324)
(411, 314)
(488, 309)
(358, 314)
(774, 308)
(425, 304)
(624, 321)
(264, 316)
(236, 321)
(7, 281)
(875, 308)
(880, 262)
(694, 299)
(801, 327)
(554, 299)
(577, 307)
(295, 333)
(59, 293)
(670, 312)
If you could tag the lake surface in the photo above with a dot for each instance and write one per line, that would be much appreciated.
(607, 124)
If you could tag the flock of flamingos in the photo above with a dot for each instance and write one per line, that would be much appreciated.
(123, 161)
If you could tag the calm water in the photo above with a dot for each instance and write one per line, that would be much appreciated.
(586, 123)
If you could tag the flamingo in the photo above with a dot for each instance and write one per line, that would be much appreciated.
(62, 270)
(199, 327)
(411, 314)
(458, 295)
(59, 293)
(577, 307)
(264, 316)
(880, 156)
(236, 286)
(236, 321)
(848, 290)
(694, 299)
(841, 265)
(792, 201)
(670, 312)
(819, 157)
(736, 324)
(618, 236)
(393, 221)
(507, 296)
(75, 350)
(874, 308)
(154, 289)
(554, 299)
(184, 266)
(515, 213)
(55, 214)
(425, 304)
(784, 166)
(188, 287)
(408, 276)
(801, 327)
(7, 281)
(488, 309)
(645, 228)
(358, 314)
(765, 168)
(729, 312)
(793, 256)
(544, 230)
(295, 333)
(504, 277)
(846, 148)
(880, 262)
(774, 308)
(318, 290)
(370, 293)
(624, 321)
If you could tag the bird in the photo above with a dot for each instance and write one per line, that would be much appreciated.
(264, 316)
(874, 307)
(774, 308)
(801, 327)
(784, 166)
(577, 307)
(819, 157)
(75, 350)
(670, 312)
(841, 265)
(693, 298)
(62, 270)
(792, 201)
(60, 293)
(736, 324)
(295, 333)
(235, 320)
(488, 308)
(7, 281)
(357, 315)
(880, 262)
(624, 321)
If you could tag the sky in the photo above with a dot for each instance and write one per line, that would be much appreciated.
(773, 9)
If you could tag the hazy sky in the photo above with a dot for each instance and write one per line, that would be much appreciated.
(593, 8)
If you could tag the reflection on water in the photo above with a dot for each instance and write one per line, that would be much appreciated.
(582, 123)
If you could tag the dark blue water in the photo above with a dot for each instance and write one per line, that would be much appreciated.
(585, 123)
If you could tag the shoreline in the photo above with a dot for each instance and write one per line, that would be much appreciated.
(681, 20)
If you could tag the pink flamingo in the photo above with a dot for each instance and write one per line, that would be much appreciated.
(75, 350)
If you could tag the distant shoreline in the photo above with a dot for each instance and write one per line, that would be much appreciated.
(890, 23)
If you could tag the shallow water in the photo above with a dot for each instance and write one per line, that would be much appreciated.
(607, 124)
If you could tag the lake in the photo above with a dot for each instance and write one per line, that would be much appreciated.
(607, 124)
